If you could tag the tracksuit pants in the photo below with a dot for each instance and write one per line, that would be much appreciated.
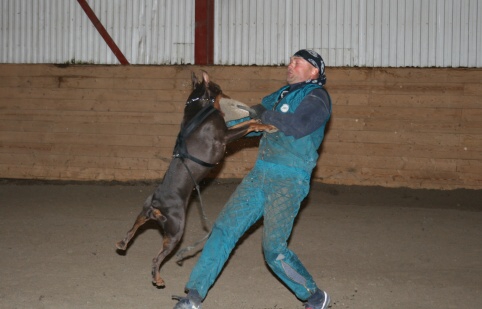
(273, 192)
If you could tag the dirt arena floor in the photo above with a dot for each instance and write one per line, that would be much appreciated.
(369, 247)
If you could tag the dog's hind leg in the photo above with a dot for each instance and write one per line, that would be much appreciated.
(173, 231)
(147, 213)
(141, 219)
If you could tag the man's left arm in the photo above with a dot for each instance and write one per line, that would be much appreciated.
(313, 112)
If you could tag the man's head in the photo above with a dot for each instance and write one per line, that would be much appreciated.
(305, 65)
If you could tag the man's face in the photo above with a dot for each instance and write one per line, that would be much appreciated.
(300, 70)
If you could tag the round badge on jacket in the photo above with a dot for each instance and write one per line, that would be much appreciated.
(285, 108)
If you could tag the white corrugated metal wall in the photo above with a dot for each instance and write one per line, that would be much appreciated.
(381, 33)
(58, 31)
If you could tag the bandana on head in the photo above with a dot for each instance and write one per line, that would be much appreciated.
(315, 60)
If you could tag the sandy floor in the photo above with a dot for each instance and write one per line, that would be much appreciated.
(368, 247)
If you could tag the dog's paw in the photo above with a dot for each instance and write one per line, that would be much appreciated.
(121, 245)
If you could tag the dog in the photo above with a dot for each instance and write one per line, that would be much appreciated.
(200, 145)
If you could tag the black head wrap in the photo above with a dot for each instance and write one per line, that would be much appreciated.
(315, 60)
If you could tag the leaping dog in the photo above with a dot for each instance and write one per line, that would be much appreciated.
(200, 145)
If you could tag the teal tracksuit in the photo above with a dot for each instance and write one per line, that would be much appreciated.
(273, 189)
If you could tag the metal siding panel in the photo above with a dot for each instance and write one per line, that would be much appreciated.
(277, 34)
(234, 42)
(108, 19)
(392, 34)
(252, 31)
(353, 30)
(432, 47)
(23, 25)
(330, 53)
(245, 26)
(217, 56)
(339, 39)
(346, 32)
(478, 36)
(377, 33)
(310, 24)
(267, 31)
(146, 32)
(424, 33)
(174, 47)
(42, 38)
(295, 31)
(168, 35)
(385, 36)
(325, 30)
(464, 33)
(457, 34)
(135, 32)
(224, 20)
(178, 38)
(447, 33)
(408, 39)
(281, 38)
(94, 42)
(305, 23)
(333, 31)
(475, 33)
(237, 32)
(362, 34)
(163, 32)
(439, 35)
(400, 28)
(175, 32)
(356, 32)
(288, 30)
(370, 33)
(3, 31)
(259, 32)
(472, 29)
(57, 31)
(19, 30)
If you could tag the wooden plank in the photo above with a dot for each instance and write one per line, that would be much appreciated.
(93, 117)
(399, 113)
(401, 150)
(78, 104)
(392, 127)
(398, 88)
(98, 71)
(411, 100)
(389, 163)
(157, 153)
(77, 173)
(395, 137)
(473, 89)
(93, 94)
(87, 139)
(473, 167)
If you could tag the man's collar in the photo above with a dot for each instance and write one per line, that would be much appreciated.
(295, 86)
(299, 85)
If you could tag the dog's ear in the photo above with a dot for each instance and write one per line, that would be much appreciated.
(194, 80)
(205, 77)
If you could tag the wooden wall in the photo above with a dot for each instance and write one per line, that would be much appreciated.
(393, 127)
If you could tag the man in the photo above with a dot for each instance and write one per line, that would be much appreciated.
(276, 185)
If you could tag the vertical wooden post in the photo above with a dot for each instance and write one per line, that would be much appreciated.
(204, 32)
